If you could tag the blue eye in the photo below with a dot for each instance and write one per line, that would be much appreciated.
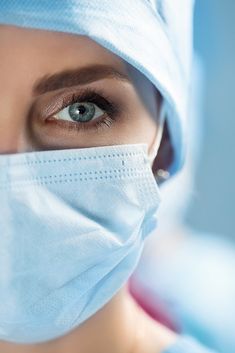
(80, 112)
(87, 110)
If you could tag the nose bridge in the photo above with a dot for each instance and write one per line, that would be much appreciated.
(12, 121)
(15, 82)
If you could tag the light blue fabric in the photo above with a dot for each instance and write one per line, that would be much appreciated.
(72, 227)
(154, 36)
(186, 344)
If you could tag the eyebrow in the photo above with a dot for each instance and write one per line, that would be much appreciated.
(81, 76)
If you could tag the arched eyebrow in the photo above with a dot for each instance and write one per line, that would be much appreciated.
(81, 76)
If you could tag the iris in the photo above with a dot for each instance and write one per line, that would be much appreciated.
(81, 111)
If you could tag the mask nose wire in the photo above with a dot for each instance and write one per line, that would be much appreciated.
(158, 137)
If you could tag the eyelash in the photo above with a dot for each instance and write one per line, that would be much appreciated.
(92, 96)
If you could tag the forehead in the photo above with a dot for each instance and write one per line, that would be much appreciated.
(27, 55)
(31, 53)
(58, 46)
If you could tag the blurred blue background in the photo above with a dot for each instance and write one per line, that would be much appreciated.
(212, 206)
(187, 271)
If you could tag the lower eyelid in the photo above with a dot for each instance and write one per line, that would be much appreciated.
(104, 121)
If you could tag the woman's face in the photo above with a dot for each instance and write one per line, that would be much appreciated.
(39, 107)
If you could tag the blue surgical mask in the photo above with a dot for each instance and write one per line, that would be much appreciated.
(72, 229)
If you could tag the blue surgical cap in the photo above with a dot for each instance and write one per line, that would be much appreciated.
(152, 35)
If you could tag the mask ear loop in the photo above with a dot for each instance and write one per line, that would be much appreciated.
(160, 175)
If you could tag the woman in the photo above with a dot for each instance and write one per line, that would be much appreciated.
(81, 127)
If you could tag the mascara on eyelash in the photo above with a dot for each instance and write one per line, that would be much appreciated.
(110, 108)
(93, 97)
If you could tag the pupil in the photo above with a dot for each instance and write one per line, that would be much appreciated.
(81, 109)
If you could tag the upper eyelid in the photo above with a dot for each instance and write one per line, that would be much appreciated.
(57, 102)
